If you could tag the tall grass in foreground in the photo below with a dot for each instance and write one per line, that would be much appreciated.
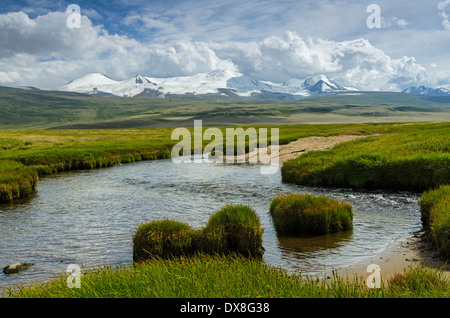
(216, 276)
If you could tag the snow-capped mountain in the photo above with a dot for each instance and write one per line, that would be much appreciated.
(423, 90)
(321, 84)
(222, 82)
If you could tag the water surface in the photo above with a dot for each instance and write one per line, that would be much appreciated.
(88, 217)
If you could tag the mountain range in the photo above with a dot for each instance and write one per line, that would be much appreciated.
(423, 90)
(219, 82)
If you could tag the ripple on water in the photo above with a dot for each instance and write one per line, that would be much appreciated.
(88, 217)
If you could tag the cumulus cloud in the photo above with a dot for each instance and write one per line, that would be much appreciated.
(45, 48)
(44, 52)
(442, 6)
(357, 62)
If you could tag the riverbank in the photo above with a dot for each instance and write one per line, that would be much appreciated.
(303, 145)
(295, 148)
(398, 256)
(26, 155)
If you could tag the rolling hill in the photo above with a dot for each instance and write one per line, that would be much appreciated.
(36, 109)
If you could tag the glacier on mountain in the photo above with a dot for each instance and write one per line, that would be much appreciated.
(214, 82)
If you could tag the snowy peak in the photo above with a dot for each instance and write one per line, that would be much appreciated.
(141, 80)
(222, 82)
(423, 90)
(321, 84)
(89, 80)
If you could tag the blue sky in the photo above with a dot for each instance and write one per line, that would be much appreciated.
(268, 40)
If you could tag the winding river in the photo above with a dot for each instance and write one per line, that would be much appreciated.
(88, 217)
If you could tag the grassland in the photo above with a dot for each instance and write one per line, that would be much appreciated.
(413, 157)
(26, 155)
(403, 156)
(25, 109)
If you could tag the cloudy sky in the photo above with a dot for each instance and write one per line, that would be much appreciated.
(42, 45)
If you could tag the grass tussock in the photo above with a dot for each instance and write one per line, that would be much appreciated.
(163, 238)
(232, 276)
(300, 214)
(435, 215)
(232, 229)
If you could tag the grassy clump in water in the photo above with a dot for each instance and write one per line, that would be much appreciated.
(307, 214)
(163, 238)
(233, 276)
(232, 229)
(435, 214)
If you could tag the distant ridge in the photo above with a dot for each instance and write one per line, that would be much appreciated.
(423, 90)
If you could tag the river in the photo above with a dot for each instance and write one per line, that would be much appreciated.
(88, 217)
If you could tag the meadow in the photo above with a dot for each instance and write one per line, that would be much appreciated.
(26, 155)
(414, 157)
(28, 109)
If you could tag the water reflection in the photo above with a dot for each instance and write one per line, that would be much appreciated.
(301, 247)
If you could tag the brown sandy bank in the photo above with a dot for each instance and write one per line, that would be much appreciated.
(303, 145)
(297, 148)
(414, 250)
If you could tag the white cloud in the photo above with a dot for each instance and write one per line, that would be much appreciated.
(357, 62)
(442, 6)
(44, 52)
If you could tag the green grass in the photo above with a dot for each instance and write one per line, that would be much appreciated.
(300, 214)
(406, 155)
(163, 238)
(216, 276)
(232, 229)
(16, 180)
(412, 157)
(24, 154)
(402, 157)
(435, 216)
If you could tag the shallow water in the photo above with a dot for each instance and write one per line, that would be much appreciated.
(88, 217)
